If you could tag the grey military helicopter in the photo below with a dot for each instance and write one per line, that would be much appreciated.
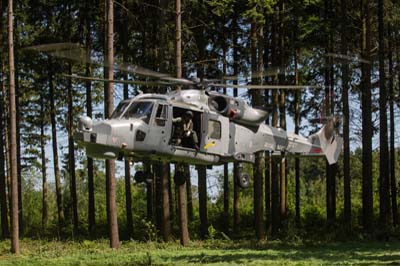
(227, 129)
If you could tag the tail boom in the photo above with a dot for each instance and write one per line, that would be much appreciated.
(324, 142)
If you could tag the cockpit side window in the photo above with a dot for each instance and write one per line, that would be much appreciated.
(140, 110)
(162, 114)
(121, 108)
(214, 129)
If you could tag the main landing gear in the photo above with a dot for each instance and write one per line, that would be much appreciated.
(243, 178)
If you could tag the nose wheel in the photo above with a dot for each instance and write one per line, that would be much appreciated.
(141, 176)
(243, 178)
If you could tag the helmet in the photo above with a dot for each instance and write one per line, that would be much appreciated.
(189, 114)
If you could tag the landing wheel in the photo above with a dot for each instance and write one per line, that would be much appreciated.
(243, 180)
(179, 178)
(140, 177)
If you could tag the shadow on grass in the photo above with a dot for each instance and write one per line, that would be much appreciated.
(348, 253)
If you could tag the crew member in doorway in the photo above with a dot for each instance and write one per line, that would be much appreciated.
(184, 132)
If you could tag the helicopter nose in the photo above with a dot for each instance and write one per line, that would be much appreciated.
(85, 123)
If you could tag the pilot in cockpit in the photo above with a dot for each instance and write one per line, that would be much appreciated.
(184, 134)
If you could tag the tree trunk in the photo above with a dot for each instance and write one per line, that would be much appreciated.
(268, 190)
(128, 192)
(259, 166)
(128, 198)
(202, 188)
(71, 158)
(149, 195)
(282, 116)
(166, 206)
(384, 203)
(109, 106)
(236, 188)
(275, 199)
(60, 208)
(182, 210)
(88, 85)
(159, 195)
(393, 182)
(225, 215)
(275, 188)
(17, 133)
(189, 193)
(13, 131)
(182, 201)
(346, 119)
(3, 184)
(329, 83)
(367, 191)
(43, 166)
(297, 131)
(3, 117)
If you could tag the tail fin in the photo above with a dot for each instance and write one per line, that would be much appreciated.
(330, 142)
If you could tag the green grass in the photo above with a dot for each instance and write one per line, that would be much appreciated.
(36, 252)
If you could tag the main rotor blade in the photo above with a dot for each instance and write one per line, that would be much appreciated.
(267, 73)
(150, 73)
(136, 82)
(266, 87)
(71, 51)
(354, 58)
(80, 54)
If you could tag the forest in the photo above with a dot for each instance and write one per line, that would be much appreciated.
(346, 51)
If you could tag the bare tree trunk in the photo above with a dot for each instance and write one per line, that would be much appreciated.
(182, 211)
(149, 192)
(236, 199)
(202, 188)
(259, 166)
(297, 131)
(3, 117)
(128, 192)
(329, 82)
(109, 106)
(88, 85)
(71, 158)
(275, 188)
(268, 191)
(13, 129)
(189, 193)
(346, 120)
(282, 116)
(128, 198)
(384, 203)
(43, 157)
(18, 135)
(182, 201)
(393, 182)
(159, 194)
(226, 199)
(367, 191)
(60, 208)
(275, 199)
(3, 184)
(166, 188)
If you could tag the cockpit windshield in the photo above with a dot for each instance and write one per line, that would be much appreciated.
(141, 110)
(119, 110)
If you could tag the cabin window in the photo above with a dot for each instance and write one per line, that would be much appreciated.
(139, 110)
(162, 114)
(214, 129)
(121, 108)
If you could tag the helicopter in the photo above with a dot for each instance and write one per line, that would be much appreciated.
(227, 129)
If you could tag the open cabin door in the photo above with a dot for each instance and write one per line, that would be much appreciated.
(160, 128)
(216, 134)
